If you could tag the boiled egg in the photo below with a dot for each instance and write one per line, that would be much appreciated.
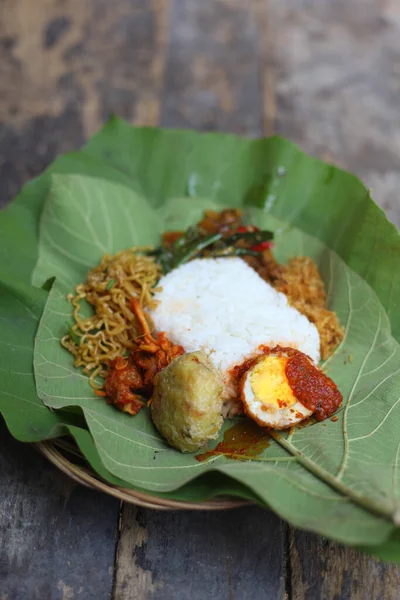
(268, 397)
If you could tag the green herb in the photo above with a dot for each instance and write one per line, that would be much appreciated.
(191, 244)
(110, 284)
(250, 237)
(190, 235)
(194, 248)
(188, 246)
(225, 253)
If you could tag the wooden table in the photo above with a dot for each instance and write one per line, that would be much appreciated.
(325, 73)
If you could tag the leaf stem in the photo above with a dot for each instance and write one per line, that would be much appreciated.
(371, 505)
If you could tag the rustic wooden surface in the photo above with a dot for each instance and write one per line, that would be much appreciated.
(325, 73)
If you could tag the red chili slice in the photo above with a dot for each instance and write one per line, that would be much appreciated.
(247, 228)
(262, 246)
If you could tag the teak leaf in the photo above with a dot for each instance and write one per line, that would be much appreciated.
(340, 479)
(335, 458)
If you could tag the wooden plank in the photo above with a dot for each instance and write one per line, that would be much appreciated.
(322, 569)
(334, 69)
(57, 539)
(65, 67)
(228, 555)
(212, 73)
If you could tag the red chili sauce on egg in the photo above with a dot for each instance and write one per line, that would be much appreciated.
(313, 389)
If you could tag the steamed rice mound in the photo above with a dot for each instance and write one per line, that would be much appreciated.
(224, 308)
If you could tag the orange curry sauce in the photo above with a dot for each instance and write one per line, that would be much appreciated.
(242, 441)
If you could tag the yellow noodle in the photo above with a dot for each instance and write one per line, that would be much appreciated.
(110, 331)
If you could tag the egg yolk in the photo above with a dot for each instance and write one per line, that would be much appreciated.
(269, 383)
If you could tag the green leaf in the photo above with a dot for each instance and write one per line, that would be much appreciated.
(85, 218)
(389, 551)
(19, 220)
(204, 488)
(20, 309)
(21, 306)
(340, 474)
(26, 416)
(272, 174)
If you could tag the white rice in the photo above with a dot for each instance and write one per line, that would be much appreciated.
(223, 307)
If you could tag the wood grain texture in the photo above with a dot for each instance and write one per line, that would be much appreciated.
(212, 71)
(65, 66)
(322, 569)
(232, 555)
(336, 67)
(57, 539)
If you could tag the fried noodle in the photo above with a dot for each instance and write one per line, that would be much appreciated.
(112, 329)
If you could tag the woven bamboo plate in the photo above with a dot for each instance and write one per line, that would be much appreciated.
(67, 458)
